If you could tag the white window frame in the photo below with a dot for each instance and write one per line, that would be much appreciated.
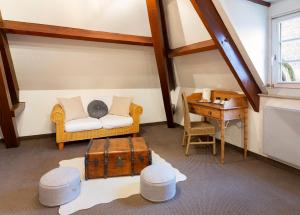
(276, 53)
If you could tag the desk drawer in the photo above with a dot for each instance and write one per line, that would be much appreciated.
(207, 112)
(234, 114)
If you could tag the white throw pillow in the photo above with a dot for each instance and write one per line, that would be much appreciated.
(120, 106)
(73, 108)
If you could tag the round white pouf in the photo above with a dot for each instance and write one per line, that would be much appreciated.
(158, 183)
(59, 186)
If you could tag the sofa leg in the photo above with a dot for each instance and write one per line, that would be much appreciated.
(135, 135)
(60, 146)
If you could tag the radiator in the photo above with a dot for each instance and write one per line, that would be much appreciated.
(281, 134)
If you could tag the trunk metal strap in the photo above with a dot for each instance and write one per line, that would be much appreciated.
(150, 156)
(106, 155)
(149, 153)
(86, 160)
(131, 155)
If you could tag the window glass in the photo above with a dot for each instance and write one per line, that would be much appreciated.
(286, 46)
(290, 51)
(290, 28)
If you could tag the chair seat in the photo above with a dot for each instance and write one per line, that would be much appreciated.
(199, 128)
(204, 128)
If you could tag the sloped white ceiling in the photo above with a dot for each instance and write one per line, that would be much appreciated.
(184, 25)
(205, 70)
(51, 64)
(128, 17)
(48, 64)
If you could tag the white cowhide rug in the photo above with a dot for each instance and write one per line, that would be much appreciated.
(98, 191)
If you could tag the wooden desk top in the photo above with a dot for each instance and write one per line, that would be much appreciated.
(215, 106)
(235, 100)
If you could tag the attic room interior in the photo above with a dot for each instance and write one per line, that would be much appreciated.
(150, 107)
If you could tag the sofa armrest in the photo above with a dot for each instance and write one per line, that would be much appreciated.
(58, 117)
(58, 114)
(135, 111)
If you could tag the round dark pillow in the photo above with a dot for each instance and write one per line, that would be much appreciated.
(97, 109)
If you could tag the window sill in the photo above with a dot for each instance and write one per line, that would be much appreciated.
(287, 85)
(280, 96)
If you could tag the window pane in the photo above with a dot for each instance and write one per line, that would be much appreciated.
(290, 28)
(290, 72)
(290, 50)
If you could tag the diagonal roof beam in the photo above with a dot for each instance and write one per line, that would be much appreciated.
(170, 64)
(219, 33)
(7, 119)
(161, 54)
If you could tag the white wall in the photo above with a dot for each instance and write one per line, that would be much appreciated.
(36, 117)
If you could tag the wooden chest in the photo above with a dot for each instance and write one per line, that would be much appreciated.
(116, 157)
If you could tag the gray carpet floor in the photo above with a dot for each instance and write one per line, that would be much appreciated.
(239, 187)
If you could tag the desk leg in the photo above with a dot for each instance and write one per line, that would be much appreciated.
(222, 141)
(245, 132)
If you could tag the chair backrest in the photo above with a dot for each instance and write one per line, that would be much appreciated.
(186, 112)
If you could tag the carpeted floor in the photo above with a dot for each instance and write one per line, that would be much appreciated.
(238, 187)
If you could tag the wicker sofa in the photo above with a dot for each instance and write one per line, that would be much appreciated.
(62, 136)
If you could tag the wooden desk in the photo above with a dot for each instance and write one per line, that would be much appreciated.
(235, 108)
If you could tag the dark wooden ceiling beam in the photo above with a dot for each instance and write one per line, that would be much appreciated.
(261, 2)
(7, 121)
(171, 72)
(153, 7)
(193, 48)
(33, 29)
(9, 94)
(8, 66)
(219, 33)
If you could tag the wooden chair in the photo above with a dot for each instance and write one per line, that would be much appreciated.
(201, 128)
